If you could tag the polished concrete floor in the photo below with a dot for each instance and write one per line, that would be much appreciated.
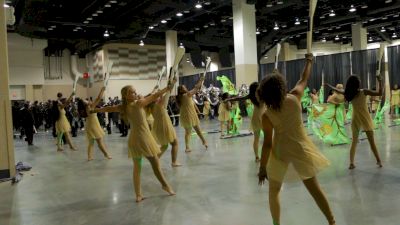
(217, 187)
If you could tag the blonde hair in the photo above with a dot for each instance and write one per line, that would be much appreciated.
(124, 103)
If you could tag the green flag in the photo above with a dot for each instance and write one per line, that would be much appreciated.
(328, 123)
(378, 119)
(227, 85)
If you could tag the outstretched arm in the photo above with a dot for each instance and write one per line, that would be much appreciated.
(114, 108)
(373, 92)
(68, 100)
(236, 99)
(340, 91)
(302, 83)
(99, 97)
(196, 87)
(266, 148)
(152, 97)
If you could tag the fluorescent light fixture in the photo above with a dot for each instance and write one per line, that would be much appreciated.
(89, 18)
(179, 14)
(383, 29)
(196, 28)
(181, 45)
(85, 22)
(297, 21)
(223, 20)
(95, 14)
(113, 1)
(207, 3)
(107, 5)
(50, 28)
(191, 31)
(394, 35)
(151, 27)
(186, 11)
(99, 11)
(388, 1)
(6, 6)
(212, 24)
(364, 6)
(106, 34)
(352, 9)
(276, 27)
(279, 2)
(205, 26)
(141, 43)
(332, 13)
(187, 60)
(323, 40)
(198, 5)
(337, 38)
(265, 57)
(258, 31)
(163, 21)
(370, 38)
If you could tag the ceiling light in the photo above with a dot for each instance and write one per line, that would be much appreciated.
(99, 11)
(75, 30)
(106, 34)
(168, 19)
(265, 57)
(370, 38)
(223, 20)
(181, 45)
(372, 20)
(322, 17)
(394, 35)
(78, 28)
(265, 30)
(364, 6)
(388, 1)
(6, 6)
(332, 13)
(258, 31)
(50, 28)
(337, 38)
(163, 21)
(191, 31)
(141, 43)
(269, 4)
(279, 2)
(113, 1)
(205, 26)
(383, 29)
(212, 24)
(196, 28)
(384, 18)
(297, 21)
(95, 14)
(85, 22)
(90, 18)
(323, 40)
(186, 11)
(276, 27)
(107, 5)
(352, 9)
(151, 27)
(397, 15)
(198, 5)
(179, 14)
(187, 60)
(207, 3)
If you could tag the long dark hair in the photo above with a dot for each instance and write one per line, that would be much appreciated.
(55, 113)
(253, 93)
(179, 95)
(82, 109)
(352, 87)
(272, 91)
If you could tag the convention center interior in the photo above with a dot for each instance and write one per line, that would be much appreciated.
(200, 112)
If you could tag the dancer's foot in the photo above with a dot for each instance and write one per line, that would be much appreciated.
(352, 166)
(73, 148)
(108, 157)
(176, 164)
(90, 159)
(139, 198)
(379, 164)
(169, 190)
(205, 145)
(60, 149)
(188, 150)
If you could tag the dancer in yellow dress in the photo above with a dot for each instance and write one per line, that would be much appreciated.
(224, 116)
(395, 100)
(361, 119)
(291, 152)
(188, 116)
(141, 142)
(163, 130)
(258, 111)
(94, 132)
(206, 109)
(62, 124)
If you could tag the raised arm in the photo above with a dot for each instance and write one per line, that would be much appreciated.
(266, 148)
(302, 83)
(152, 97)
(379, 88)
(196, 87)
(340, 91)
(239, 98)
(99, 97)
(63, 105)
(114, 108)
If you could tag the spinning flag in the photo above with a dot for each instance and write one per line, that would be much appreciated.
(328, 123)
(378, 119)
(227, 85)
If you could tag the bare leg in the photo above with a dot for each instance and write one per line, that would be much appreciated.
(313, 187)
(187, 139)
(174, 154)
(68, 139)
(90, 150)
(198, 131)
(137, 166)
(371, 140)
(274, 204)
(353, 147)
(59, 140)
(222, 128)
(163, 148)
(155, 164)
(103, 148)
(255, 144)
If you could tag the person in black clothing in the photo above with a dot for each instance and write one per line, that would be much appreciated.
(28, 123)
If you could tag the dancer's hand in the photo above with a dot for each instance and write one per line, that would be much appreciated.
(309, 56)
(378, 77)
(262, 175)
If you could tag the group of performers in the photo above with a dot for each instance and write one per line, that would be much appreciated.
(275, 111)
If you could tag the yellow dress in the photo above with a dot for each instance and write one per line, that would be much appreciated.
(188, 116)
(294, 156)
(140, 142)
(395, 97)
(223, 112)
(62, 124)
(256, 121)
(92, 127)
(206, 108)
(361, 118)
(163, 131)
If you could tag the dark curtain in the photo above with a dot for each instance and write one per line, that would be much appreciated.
(394, 65)
(364, 65)
(294, 68)
(211, 78)
(265, 69)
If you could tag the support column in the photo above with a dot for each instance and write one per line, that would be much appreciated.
(359, 37)
(171, 46)
(7, 163)
(245, 41)
(285, 54)
(29, 93)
